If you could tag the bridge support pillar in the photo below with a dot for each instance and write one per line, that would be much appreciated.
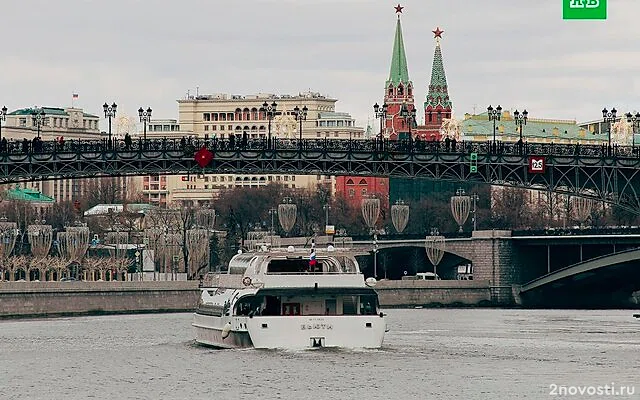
(495, 259)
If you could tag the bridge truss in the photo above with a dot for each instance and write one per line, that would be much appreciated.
(605, 174)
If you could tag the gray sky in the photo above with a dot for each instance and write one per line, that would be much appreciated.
(520, 54)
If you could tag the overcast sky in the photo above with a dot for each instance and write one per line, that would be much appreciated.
(516, 53)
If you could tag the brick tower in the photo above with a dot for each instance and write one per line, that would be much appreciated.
(437, 105)
(398, 95)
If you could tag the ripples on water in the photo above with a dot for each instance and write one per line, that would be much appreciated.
(428, 354)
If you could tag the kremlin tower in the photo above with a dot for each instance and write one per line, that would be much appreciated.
(437, 105)
(398, 95)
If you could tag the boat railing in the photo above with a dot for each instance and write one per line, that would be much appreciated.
(314, 273)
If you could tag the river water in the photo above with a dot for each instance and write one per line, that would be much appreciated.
(428, 354)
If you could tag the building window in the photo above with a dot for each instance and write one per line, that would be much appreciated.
(352, 192)
(364, 191)
(206, 127)
(206, 117)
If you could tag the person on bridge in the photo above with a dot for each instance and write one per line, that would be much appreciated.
(127, 141)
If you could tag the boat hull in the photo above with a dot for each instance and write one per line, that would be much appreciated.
(292, 332)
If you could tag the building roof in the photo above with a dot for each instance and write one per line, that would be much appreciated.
(29, 195)
(47, 111)
(333, 115)
(480, 125)
(103, 209)
(438, 91)
(399, 71)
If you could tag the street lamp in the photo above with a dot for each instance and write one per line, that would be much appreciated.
(38, 115)
(460, 204)
(380, 112)
(109, 112)
(494, 115)
(145, 116)
(300, 114)
(520, 119)
(3, 117)
(271, 111)
(408, 115)
(634, 120)
(609, 117)
(272, 213)
(435, 246)
(475, 199)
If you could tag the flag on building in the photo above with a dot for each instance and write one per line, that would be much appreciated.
(75, 95)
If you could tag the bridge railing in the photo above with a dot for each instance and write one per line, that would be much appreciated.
(405, 146)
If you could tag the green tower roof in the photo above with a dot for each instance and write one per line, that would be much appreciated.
(438, 90)
(399, 71)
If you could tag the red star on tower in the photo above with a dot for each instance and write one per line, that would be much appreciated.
(203, 157)
(398, 9)
(437, 33)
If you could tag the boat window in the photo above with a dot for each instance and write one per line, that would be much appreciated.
(272, 306)
(368, 305)
(290, 308)
(349, 304)
(297, 265)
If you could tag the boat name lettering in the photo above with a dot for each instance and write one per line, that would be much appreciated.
(315, 326)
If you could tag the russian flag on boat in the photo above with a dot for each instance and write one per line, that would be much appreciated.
(312, 259)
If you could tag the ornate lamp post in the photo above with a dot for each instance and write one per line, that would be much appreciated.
(370, 212)
(494, 115)
(270, 111)
(475, 199)
(434, 245)
(272, 213)
(400, 215)
(38, 116)
(145, 116)
(581, 208)
(109, 112)
(521, 120)
(287, 213)
(408, 115)
(300, 114)
(609, 117)
(3, 117)
(460, 207)
(381, 113)
(634, 120)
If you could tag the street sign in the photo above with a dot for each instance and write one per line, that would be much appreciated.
(137, 254)
(330, 229)
(176, 258)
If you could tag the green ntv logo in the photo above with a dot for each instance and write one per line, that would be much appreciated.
(584, 9)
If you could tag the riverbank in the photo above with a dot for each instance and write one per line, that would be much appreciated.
(50, 299)
(55, 299)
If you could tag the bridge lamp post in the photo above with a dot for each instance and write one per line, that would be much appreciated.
(272, 213)
(521, 120)
(370, 208)
(109, 112)
(38, 116)
(300, 114)
(145, 116)
(408, 115)
(475, 198)
(460, 207)
(609, 117)
(271, 111)
(381, 113)
(3, 117)
(435, 245)
(634, 120)
(494, 115)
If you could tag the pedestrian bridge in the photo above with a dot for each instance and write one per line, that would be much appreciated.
(600, 281)
(605, 174)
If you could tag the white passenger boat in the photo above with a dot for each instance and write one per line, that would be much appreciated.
(290, 299)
